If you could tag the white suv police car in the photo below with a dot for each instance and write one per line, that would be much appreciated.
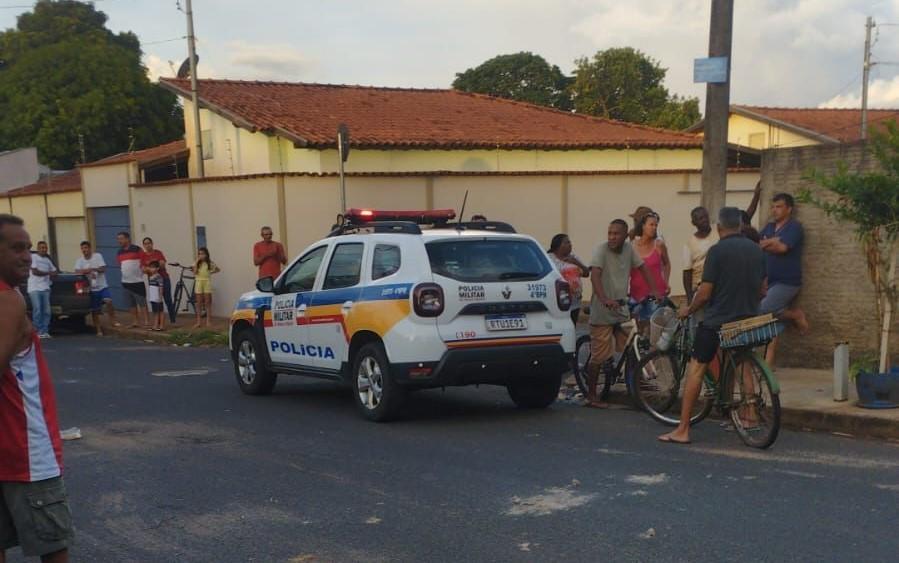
(396, 301)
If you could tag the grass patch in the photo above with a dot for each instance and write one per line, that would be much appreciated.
(198, 338)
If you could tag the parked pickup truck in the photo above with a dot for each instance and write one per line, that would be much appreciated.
(70, 297)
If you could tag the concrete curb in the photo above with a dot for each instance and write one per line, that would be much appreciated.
(853, 425)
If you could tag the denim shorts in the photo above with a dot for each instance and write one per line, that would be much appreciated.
(778, 298)
(99, 297)
(642, 311)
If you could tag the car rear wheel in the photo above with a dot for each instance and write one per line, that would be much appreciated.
(535, 394)
(377, 394)
(252, 375)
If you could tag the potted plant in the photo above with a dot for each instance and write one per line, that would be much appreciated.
(870, 202)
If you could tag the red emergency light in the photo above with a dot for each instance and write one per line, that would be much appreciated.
(429, 217)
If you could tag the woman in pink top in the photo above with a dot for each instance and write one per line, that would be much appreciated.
(651, 248)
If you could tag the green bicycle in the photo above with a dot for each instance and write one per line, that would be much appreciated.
(746, 391)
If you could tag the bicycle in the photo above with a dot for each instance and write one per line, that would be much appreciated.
(746, 390)
(182, 288)
(615, 371)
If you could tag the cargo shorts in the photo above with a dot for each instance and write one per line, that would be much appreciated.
(35, 516)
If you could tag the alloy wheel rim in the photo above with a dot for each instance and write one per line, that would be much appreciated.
(370, 383)
(246, 362)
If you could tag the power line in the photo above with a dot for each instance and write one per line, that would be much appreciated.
(163, 40)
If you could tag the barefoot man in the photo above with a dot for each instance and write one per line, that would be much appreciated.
(34, 512)
(732, 283)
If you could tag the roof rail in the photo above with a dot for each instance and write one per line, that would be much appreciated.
(494, 226)
(396, 227)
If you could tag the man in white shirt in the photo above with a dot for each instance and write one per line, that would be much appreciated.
(696, 249)
(92, 265)
(39, 280)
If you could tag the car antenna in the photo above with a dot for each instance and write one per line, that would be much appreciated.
(462, 213)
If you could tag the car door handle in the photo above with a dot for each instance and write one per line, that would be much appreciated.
(301, 310)
(347, 306)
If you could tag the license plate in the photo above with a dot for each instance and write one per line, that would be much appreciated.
(507, 322)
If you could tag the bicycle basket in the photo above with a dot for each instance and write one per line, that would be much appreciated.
(754, 331)
(663, 322)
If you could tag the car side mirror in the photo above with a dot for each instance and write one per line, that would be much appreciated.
(266, 284)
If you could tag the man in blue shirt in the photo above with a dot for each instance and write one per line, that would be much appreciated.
(781, 240)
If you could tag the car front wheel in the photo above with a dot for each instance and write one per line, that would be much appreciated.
(252, 375)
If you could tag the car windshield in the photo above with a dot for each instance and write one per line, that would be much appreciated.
(488, 260)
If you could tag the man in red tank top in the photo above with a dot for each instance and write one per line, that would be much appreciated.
(34, 511)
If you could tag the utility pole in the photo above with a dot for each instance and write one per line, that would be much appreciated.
(866, 72)
(192, 58)
(717, 111)
(343, 152)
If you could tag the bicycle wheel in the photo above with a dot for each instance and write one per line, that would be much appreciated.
(176, 299)
(581, 361)
(754, 406)
(661, 388)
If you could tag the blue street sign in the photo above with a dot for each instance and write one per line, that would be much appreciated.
(712, 69)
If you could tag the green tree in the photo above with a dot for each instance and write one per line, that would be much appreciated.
(625, 84)
(63, 74)
(525, 77)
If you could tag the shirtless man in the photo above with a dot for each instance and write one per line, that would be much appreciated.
(34, 513)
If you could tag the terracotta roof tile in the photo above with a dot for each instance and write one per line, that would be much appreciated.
(844, 125)
(145, 156)
(66, 182)
(308, 114)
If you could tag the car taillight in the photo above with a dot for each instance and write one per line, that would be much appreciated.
(427, 299)
(82, 287)
(563, 295)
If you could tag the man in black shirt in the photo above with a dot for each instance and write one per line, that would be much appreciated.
(732, 284)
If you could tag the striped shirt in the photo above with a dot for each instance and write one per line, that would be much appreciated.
(30, 445)
(129, 262)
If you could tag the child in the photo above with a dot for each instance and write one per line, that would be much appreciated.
(204, 267)
(154, 295)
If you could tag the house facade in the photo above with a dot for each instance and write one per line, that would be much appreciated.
(270, 158)
(761, 128)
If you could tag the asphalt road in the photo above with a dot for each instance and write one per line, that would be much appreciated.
(183, 467)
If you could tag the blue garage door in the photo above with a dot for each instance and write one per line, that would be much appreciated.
(108, 222)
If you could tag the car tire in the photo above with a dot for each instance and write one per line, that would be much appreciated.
(535, 394)
(253, 377)
(376, 393)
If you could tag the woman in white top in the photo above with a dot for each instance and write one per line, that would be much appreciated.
(571, 268)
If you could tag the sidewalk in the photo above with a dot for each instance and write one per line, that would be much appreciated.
(806, 398)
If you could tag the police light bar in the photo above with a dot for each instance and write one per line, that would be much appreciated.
(430, 217)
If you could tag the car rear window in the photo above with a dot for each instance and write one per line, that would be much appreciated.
(488, 260)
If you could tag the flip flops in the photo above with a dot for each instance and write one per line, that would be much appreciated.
(669, 440)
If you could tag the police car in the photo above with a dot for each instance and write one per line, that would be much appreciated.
(392, 302)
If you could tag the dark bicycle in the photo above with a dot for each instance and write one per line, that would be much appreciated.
(745, 390)
(615, 370)
(182, 289)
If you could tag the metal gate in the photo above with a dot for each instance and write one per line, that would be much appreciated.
(109, 222)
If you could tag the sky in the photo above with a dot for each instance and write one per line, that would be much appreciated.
(798, 53)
